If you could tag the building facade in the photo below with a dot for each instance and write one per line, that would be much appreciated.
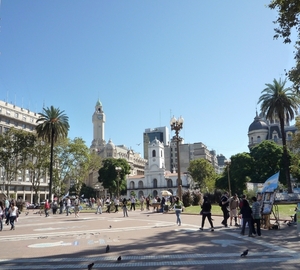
(156, 177)
(109, 149)
(12, 116)
(262, 129)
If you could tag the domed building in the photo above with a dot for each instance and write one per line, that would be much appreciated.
(262, 129)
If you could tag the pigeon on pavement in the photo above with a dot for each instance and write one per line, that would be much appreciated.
(245, 253)
(107, 249)
(119, 259)
(90, 266)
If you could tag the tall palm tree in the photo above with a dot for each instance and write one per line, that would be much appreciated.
(280, 103)
(53, 125)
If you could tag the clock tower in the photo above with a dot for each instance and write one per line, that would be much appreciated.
(98, 127)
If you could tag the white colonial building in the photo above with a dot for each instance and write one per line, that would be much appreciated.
(156, 178)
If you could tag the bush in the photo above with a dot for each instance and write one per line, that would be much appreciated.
(187, 198)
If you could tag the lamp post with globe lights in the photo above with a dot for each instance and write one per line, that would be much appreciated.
(177, 125)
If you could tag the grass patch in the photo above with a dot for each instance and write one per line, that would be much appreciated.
(285, 210)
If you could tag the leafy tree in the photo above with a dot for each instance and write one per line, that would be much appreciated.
(203, 173)
(13, 146)
(267, 158)
(110, 178)
(37, 164)
(240, 168)
(278, 102)
(53, 124)
(288, 19)
(73, 158)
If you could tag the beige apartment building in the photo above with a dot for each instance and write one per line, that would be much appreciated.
(12, 116)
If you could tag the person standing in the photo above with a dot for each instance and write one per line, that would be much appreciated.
(142, 200)
(108, 203)
(206, 213)
(246, 213)
(99, 206)
(7, 206)
(76, 207)
(178, 209)
(148, 203)
(124, 206)
(256, 214)
(68, 206)
(132, 206)
(162, 203)
(13, 214)
(233, 206)
(1, 215)
(116, 203)
(224, 208)
(47, 208)
(61, 206)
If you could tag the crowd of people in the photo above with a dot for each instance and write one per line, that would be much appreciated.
(235, 210)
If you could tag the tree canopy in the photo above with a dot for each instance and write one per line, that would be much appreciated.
(110, 178)
(287, 20)
(203, 173)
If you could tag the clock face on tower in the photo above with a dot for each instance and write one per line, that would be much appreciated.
(99, 116)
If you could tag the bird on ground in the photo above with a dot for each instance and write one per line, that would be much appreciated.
(245, 253)
(26, 213)
(107, 249)
(110, 226)
(119, 259)
(90, 266)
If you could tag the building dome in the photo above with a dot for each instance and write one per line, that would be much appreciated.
(155, 142)
(110, 145)
(258, 124)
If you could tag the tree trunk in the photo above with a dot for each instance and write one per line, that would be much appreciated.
(51, 164)
(286, 160)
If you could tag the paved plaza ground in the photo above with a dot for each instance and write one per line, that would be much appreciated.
(144, 240)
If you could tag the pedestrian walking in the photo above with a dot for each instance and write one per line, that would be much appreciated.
(247, 217)
(99, 206)
(206, 213)
(13, 215)
(142, 200)
(116, 203)
(224, 207)
(132, 206)
(178, 209)
(256, 214)
(1, 215)
(47, 208)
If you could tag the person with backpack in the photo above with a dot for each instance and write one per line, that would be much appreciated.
(224, 207)
(206, 213)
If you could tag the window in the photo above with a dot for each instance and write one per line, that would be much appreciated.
(275, 138)
(140, 184)
(169, 183)
(258, 139)
(154, 193)
(7, 112)
(16, 115)
(131, 185)
(155, 183)
(161, 153)
(153, 153)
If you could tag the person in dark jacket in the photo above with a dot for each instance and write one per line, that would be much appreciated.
(206, 213)
(225, 208)
(246, 213)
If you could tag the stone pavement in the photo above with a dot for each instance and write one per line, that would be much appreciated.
(144, 240)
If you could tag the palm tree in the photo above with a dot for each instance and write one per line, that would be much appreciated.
(53, 125)
(280, 103)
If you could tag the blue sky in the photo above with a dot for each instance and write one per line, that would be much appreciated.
(206, 61)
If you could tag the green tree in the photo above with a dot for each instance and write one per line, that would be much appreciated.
(240, 168)
(203, 173)
(73, 158)
(37, 164)
(53, 125)
(288, 19)
(267, 158)
(13, 146)
(280, 103)
(110, 178)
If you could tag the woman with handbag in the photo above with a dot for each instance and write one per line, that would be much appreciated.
(206, 213)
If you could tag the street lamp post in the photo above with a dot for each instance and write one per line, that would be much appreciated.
(118, 169)
(177, 125)
(228, 162)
